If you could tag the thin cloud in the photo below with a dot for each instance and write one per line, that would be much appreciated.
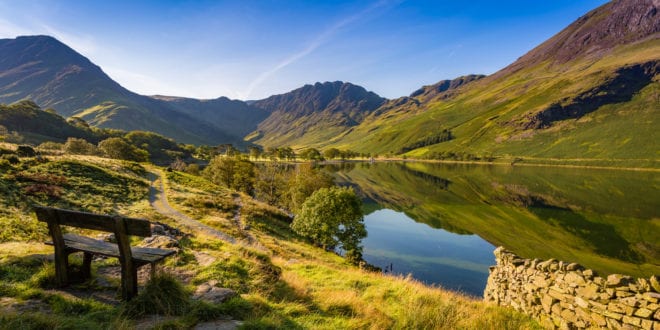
(316, 43)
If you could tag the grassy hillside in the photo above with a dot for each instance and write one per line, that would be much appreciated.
(493, 116)
(283, 282)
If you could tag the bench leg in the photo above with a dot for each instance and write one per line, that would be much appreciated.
(61, 268)
(129, 282)
(87, 265)
(153, 270)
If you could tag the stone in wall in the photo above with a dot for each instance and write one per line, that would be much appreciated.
(568, 296)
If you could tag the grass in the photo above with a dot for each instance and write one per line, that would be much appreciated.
(485, 118)
(286, 283)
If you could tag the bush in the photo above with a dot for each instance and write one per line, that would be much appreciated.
(25, 151)
(79, 147)
(118, 148)
(12, 159)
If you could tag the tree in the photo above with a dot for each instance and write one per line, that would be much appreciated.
(332, 217)
(232, 172)
(118, 148)
(331, 153)
(271, 182)
(311, 154)
(302, 182)
(255, 152)
(79, 147)
(158, 146)
(3, 132)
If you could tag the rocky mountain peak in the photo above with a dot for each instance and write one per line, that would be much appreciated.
(616, 23)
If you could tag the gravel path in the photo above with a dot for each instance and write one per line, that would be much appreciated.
(158, 201)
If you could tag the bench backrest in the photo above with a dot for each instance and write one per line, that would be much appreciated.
(107, 223)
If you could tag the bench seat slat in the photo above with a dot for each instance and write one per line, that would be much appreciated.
(140, 254)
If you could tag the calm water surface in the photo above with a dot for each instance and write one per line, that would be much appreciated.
(441, 222)
(434, 256)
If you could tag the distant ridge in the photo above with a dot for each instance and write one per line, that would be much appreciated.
(314, 114)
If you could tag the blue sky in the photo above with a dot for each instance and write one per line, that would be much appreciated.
(254, 49)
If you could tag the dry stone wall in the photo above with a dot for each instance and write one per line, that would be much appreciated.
(568, 296)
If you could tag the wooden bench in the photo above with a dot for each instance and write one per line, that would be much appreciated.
(130, 258)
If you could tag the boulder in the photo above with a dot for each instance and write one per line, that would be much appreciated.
(655, 283)
(159, 242)
(209, 292)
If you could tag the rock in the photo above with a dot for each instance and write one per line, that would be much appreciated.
(573, 266)
(547, 302)
(581, 302)
(204, 259)
(651, 296)
(630, 301)
(574, 278)
(599, 320)
(655, 283)
(643, 284)
(209, 292)
(157, 229)
(590, 291)
(615, 280)
(632, 320)
(613, 315)
(647, 324)
(110, 237)
(219, 325)
(613, 324)
(623, 294)
(643, 313)
(160, 242)
(568, 316)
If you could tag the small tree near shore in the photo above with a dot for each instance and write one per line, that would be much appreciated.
(332, 217)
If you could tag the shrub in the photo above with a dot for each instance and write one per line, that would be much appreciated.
(25, 151)
(162, 295)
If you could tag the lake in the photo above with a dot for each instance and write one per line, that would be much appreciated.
(441, 222)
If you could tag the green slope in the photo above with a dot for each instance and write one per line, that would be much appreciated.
(490, 116)
(590, 92)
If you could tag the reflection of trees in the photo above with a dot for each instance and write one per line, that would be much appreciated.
(438, 182)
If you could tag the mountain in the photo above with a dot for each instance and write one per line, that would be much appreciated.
(234, 117)
(443, 86)
(313, 115)
(589, 92)
(53, 75)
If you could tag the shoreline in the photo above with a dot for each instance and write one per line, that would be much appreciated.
(496, 163)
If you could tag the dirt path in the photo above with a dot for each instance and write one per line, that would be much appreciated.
(158, 201)
(251, 240)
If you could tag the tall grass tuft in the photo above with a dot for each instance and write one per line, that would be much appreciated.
(162, 295)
